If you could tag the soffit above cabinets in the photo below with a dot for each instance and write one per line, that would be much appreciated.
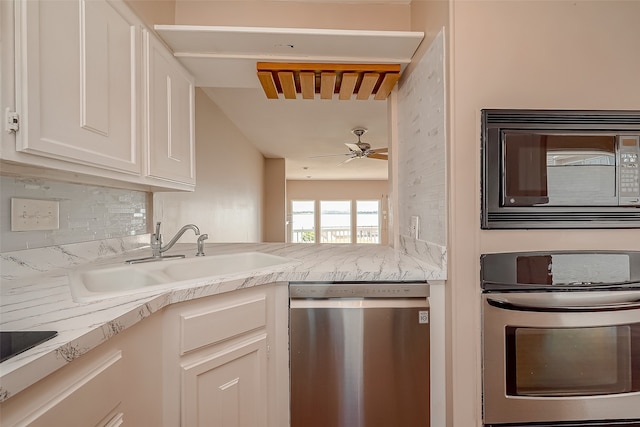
(227, 56)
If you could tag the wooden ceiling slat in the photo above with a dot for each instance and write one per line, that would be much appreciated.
(288, 83)
(308, 84)
(327, 85)
(369, 81)
(327, 79)
(386, 86)
(347, 86)
(268, 85)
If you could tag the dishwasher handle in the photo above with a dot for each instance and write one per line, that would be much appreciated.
(316, 290)
(350, 303)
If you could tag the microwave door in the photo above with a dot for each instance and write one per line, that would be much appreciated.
(524, 171)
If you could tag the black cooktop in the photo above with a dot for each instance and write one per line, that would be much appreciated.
(15, 342)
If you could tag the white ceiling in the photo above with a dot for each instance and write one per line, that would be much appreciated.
(299, 129)
(296, 130)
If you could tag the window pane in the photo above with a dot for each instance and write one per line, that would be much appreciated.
(303, 221)
(367, 221)
(335, 221)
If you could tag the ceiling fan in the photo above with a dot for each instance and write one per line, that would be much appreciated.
(361, 150)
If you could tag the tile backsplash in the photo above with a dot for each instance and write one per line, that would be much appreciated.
(87, 213)
(422, 147)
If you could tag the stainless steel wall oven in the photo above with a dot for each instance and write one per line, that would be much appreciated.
(561, 339)
(560, 169)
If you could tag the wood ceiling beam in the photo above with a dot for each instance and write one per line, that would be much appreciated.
(308, 84)
(348, 85)
(388, 82)
(288, 84)
(369, 81)
(327, 85)
(321, 66)
(268, 85)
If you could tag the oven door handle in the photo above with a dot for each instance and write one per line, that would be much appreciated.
(567, 301)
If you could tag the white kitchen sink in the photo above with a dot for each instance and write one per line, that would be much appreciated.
(194, 268)
(91, 284)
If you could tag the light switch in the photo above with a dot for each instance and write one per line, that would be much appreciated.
(34, 214)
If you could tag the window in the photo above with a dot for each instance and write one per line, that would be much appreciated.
(338, 221)
(335, 221)
(367, 221)
(303, 229)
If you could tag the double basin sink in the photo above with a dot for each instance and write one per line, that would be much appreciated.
(91, 284)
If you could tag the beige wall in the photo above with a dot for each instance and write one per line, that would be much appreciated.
(154, 11)
(428, 16)
(342, 190)
(433, 17)
(524, 54)
(227, 202)
(275, 202)
(292, 14)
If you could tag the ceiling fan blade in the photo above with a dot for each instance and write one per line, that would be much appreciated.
(353, 147)
(378, 156)
(379, 150)
(329, 155)
(347, 160)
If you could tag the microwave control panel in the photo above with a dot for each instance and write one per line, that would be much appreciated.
(629, 176)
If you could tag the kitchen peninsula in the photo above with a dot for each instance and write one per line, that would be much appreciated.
(36, 293)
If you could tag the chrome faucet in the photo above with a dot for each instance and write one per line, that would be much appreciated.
(201, 240)
(156, 239)
(157, 249)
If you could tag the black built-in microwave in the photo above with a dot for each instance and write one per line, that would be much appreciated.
(560, 169)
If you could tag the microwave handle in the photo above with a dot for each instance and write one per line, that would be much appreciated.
(567, 301)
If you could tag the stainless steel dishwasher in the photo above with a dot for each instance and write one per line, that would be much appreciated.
(359, 354)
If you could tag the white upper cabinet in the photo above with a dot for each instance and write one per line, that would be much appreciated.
(97, 96)
(170, 115)
(78, 82)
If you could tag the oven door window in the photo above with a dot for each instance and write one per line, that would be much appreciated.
(572, 361)
(545, 169)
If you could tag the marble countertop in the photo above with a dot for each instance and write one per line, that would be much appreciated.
(35, 292)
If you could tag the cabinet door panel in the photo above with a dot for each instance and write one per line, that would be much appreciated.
(77, 79)
(170, 101)
(227, 389)
(77, 405)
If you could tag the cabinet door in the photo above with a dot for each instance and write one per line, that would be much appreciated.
(228, 388)
(77, 82)
(170, 115)
(90, 394)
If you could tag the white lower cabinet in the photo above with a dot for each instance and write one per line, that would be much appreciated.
(73, 401)
(227, 388)
(116, 384)
(219, 361)
(226, 360)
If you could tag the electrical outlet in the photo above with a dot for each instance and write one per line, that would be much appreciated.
(414, 227)
(34, 214)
